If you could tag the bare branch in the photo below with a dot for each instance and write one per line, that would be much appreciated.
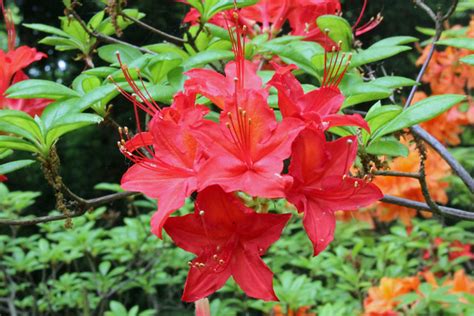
(89, 204)
(458, 169)
(449, 211)
(169, 37)
(390, 173)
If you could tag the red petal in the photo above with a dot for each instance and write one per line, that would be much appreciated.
(308, 155)
(202, 282)
(170, 188)
(210, 84)
(251, 80)
(346, 120)
(260, 231)
(253, 275)
(324, 101)
(319, 224)
(289, 90)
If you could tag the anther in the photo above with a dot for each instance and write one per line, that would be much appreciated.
(356, 184)
(215, 257)
(350, 141)
(190, 263)
(221, 262)
(201, 213)
(201, 265)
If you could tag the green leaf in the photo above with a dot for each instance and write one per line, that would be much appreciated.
(467, 43)
(36, 88)
(212, 7)
(468, 60)
(357, 92)
(16, 143)
(25, 124)
(393, 82)
(298, 53)
(127, 54)
(387, 146)
(419, 112)
(68, 124)
(378, 116)
(107, 27)
(395, 41)
(105, 92)
(14, 165)
(102, 72)
(339, 29)
(95, 21)
(167, 48)
(206, 57)
(46, 29)
(373, 54)
(61, 43)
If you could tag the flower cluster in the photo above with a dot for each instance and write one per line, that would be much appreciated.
(446, 74)
(269, 17)
(387, 297)
(183, 152)
(12, 63)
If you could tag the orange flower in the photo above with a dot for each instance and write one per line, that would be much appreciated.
(382, 300)
(446, 74)
(460, 283)
(436, 169)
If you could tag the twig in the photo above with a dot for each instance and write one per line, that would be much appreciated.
(425, 207)
(390, 173)
(422, 179)
(92, 203)
(104, 37)
(458, 169)
(171, 38)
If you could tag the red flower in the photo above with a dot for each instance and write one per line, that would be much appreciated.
(322, 186)
(270, 14)
(11, 64)
(320, 105)
(167, 157)
(228, 240)
(247, 148)
(217, 87)
(304, 14)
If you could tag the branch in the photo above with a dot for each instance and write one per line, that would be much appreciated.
(425, 207)
(389, 173)
(171, 38)
(103, 37)
(438, 19)
(82, 209)
(458, 169)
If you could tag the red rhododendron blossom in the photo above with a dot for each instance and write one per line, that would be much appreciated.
(228, 239)
(217, 87)
(321, 104)
(304, 14)
(167, 157)
(247, 148)
(321, 184)
(12, 62)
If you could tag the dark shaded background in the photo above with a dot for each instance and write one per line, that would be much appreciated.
(90, 155)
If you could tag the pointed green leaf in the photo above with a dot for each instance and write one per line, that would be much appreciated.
(35, 88)
(14, 165)
(419, 112)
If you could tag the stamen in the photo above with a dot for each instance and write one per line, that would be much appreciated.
(332, 72)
